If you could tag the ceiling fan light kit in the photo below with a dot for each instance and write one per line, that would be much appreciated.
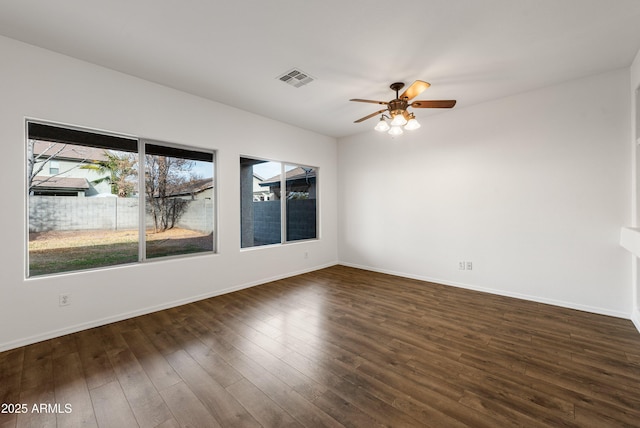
(412, 124)
(382, 125)
(400, 117)
(398, 120)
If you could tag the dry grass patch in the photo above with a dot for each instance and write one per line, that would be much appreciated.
(64, 251)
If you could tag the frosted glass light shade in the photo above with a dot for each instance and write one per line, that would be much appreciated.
(398, 120)
(412, 124)
(396, 130)
(382, 125)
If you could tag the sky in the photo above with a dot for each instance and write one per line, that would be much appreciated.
(203, 169)
(265, 170)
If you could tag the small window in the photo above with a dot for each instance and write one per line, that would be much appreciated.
(265, 207)
(54, 167)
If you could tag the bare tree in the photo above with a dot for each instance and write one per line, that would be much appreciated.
(37, 161)
(163, 176)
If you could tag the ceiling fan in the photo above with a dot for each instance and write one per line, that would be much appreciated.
(397, 108)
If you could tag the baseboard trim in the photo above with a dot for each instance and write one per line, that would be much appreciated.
(108, 320)
(537, 299)
(635, 317)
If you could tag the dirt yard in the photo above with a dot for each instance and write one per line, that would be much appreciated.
(63, 251)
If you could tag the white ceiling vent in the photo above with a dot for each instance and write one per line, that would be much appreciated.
(296, 77)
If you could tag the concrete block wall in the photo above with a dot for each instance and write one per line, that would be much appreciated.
(301, 219)
(70, 213)
(198, 216)
(266, 222)
(47, 213)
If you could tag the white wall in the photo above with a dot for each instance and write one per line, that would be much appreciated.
(635, 132)
(533, 189)
(39, 84)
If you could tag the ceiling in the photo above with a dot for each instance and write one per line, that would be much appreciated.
(233, 51)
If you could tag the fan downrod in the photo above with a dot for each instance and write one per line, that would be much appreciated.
(396, 87)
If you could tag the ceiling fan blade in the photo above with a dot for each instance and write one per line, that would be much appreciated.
(433, 104)
(362, 119)
(384, 103)
(414, 90)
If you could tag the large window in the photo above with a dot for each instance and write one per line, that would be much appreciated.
(89, 207)
(271, 215)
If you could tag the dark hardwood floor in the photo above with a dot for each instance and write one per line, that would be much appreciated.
(337, 347)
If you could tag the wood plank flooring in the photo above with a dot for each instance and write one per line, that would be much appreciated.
(339, 347)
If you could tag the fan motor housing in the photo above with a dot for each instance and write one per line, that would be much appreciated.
(397, 107)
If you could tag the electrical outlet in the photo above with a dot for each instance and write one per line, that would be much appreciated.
(65, 299)
(461, 266)
(306, 254)
(469, 266)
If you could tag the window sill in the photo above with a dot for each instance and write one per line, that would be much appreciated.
(630, 239)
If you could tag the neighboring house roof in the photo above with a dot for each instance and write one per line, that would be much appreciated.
(193, 187)
(295, 174)
(45, 149)
(67, 183)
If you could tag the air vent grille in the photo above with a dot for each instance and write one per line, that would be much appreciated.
(296, 77)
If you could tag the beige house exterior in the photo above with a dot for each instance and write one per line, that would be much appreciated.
(59, 171)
